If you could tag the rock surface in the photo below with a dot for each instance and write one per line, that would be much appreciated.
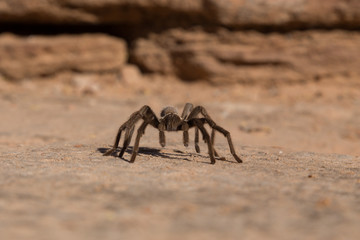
(250, 57)
(208, 52)
(41, 56)
(286, 14)
(55, 183)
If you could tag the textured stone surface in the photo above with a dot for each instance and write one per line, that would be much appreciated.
(288, 14)
(261, 13)
(251, 57)
(40, 56)
(55, 183)
(210, 54)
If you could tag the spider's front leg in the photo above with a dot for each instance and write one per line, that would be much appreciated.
(197, 148)
(228, 137)
(196, 141)
(193, 113)
(199, 109)
(200, 125)
(162, 134)
(185, 129)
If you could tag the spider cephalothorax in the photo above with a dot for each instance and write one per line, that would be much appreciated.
(171, 121)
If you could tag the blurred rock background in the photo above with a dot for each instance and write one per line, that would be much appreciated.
(221, 42)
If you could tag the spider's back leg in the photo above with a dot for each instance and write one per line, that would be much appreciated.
(117, 140)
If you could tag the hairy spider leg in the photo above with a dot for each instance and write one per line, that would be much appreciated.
(162, 138)
(116, 143)
(200, 125)
(185, 114)
(193, 114)
(197, 148)
(162, 134)
(228, 137)
(140, 133)
(187, 109)
(144, 113)
(185, 129)
(212, 136)
(213, 143)
(231, 146)
(127, 140)
(199, 109)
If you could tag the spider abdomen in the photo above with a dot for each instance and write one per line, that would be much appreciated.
(168, 110)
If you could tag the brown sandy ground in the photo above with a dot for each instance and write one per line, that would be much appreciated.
(300, 178)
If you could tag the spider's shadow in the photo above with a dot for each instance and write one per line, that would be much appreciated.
(149, 151)
(179, 155)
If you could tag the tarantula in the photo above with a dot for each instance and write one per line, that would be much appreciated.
(171, 121)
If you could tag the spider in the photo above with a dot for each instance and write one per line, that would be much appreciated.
(171, 121)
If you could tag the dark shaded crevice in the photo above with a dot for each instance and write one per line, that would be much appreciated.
(134, 20)
(130, 32)
(125, 31)
(126, 21)
(254, 63)
(295, 27)
(143, 27)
